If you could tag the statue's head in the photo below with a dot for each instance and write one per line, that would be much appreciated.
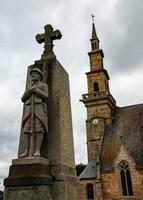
(36, 74)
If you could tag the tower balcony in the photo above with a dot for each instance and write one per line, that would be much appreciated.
(103, 94)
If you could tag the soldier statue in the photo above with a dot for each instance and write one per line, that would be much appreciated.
(35, 120)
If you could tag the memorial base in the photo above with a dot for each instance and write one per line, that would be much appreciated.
(63, 190)
(28, 179)
(41, 192)
(31, 179)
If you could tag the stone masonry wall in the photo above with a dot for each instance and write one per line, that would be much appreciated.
(112, 189)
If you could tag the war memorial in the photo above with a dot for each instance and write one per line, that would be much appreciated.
(45, 167)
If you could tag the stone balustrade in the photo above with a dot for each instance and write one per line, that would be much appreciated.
(97, 95)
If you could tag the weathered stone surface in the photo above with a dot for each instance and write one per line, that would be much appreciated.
(35, 115)
(28, 193)
(58, 143)
(28, 174)
(65, 190)
(30, 160)
(47, 38)
(114, 191)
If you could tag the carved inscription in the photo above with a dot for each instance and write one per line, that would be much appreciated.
(66, 131)
(27, 194)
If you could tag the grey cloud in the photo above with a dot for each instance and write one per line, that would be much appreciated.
(9, 151)
(123, 36)
(21, 21)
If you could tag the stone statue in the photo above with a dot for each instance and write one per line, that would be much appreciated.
(35, 122)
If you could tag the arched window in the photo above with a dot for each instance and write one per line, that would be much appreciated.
(89, 191)
(126, 181)
(96, 87)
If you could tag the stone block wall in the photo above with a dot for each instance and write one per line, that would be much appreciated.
(112, 189)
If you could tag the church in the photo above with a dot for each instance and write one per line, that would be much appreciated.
(114, 138)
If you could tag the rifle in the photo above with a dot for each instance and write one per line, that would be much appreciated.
(32, 132)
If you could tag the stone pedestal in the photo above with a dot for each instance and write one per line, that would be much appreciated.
(28, 179)
(28, 193)
(33, 179)
(65, 190)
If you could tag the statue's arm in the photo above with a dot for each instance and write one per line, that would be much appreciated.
(25, 96)
(42, 93)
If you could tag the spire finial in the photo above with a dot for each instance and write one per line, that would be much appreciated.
(94, 35)
(93, 16)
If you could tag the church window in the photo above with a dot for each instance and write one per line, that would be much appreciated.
(89, 191)
(96, 87)
(126, 181)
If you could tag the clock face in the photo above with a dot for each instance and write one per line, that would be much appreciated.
(95, 121)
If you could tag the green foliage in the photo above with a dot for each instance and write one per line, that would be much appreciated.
(1, 195)
(79, 168)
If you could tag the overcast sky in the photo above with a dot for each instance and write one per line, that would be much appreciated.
(119, 25)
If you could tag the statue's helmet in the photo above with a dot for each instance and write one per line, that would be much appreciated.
(38, 71)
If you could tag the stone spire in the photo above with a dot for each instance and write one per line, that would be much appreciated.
(96, 54)
(94, 35)
(94, 39)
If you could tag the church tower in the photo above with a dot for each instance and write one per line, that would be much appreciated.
(100, 107)
(114, 138)
(99, 102)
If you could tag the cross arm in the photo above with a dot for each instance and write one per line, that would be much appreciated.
(40, 38)
(56, 35)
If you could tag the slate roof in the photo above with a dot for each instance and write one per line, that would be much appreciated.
(90, 171)
(126, 129)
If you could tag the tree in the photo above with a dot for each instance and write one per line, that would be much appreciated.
(79, 168)
(1, 195)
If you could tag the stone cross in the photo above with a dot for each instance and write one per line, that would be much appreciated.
(48, 38)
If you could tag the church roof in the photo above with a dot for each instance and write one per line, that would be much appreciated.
(127, 130)
(90, 171)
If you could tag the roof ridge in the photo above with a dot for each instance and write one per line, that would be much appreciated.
(134, 105)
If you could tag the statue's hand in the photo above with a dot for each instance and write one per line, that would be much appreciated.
(32, 89)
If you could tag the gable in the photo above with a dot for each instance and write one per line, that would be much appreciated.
(123, 154)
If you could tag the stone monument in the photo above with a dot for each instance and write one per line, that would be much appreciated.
(45, 168)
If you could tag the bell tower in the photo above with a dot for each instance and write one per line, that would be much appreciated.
(98, 101)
